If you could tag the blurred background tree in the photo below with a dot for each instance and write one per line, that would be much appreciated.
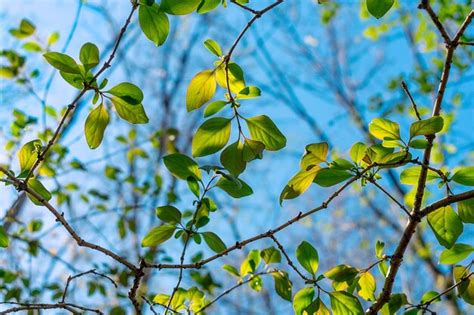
(324, 71)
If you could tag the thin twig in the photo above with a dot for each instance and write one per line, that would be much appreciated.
(413, 104)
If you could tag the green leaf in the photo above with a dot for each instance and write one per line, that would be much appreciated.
(154, 23)
(446, 225)
(38, 188)
(466, 210)
(200, 90)
(232, 270)
(418, 143)
(213, 46)
(341, 273)
(95, 125)
(256, 283)
(264, 130)
(466, 288)
(411, 175)
(383, 129)
(89, 55)
(427, 296)
(193, 186)
(464, 176)
(28, 155)
(232, 158)
(62, 62)
(134, 114)
(214, 107)
(315, 154)
(214, 242)
(158, 235)
(181, 7)
(396, 301)
(283, 285)
(207, 6)
(249, 92)
(379, 249)
(271, 255)
(182, 166)
(308, 257)
(317, 307)
(251, 263)
(75, 80)
(211, 136)
(327, 177)
(252, 150)
(379, 8)
(455, 254)
(357, 152)
(343, 303)
(32, 47)
(234, 189)
(26, 29)
(426, 127)
(128, 92)
(367, 286)
(302, 300)
(168, 214)
(4, 239)
(236, 77)
(299, 183)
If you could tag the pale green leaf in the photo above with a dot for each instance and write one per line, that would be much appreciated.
(455, 254)
(382, 129)
(168, 214)
(95, 125)
(214, 242)
(264, 130)
(158, 235)
(446, 225)
(211, 136)
(182, 166)
(308, 257)
(200, 90)
(154, 23)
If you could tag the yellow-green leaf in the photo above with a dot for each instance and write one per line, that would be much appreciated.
(95, 125)
(200, 90)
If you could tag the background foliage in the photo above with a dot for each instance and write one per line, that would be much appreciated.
(156, 155)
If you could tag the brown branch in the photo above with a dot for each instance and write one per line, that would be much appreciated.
(92, 271)
(257, 15)
(425, 5)
(73, 308)
(427, 303)
(412, 100)
(235, 287)
(446, 202)
(87, 86)
(269, 233)
(415, 217)
(389, 195)
(132, 294)
(60, 218)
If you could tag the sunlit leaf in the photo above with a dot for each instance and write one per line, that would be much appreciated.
(455, 254)
(446, 225)
(264, 130)
(154, 23)
(95, 125)
(200, 90)
(211, 136)
(182, 166)
(308, 257)
(214, 242)
(158, 235)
